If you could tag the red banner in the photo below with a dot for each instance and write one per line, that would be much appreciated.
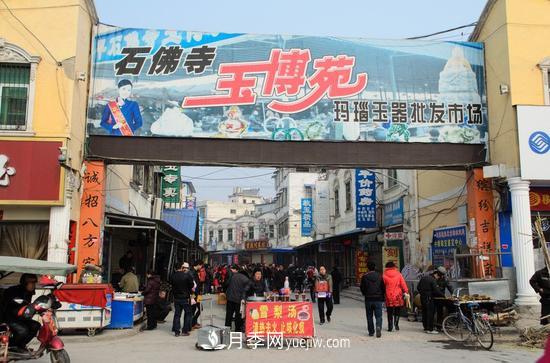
(91, 216)
(539, 198)
(291, 319)
(361, 259)
(30, 172)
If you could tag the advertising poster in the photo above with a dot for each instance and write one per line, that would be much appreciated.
(291, 319)
(361, 259)
(391, 254)
(445, 242)
(365, 199)
(167, 83)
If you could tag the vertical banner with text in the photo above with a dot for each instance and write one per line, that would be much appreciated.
(88, 250)
(171, 186)
(361, 259)
(365, 199)
(481, 215)
(307, 217)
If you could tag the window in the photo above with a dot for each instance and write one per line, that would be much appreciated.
(233, 211)
(336, 202)
(220, 235)
(251, 232)
(230, 234)
(14, 96)
(392, 178)
(302, 170)
(271, 231)
(253, 202)
(348, 195)
(283, 228)
(244, 201)
(210, 236)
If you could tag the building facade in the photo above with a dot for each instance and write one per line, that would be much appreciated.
(44, 73)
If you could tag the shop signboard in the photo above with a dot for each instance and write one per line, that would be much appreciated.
(445, 242)
(171, 186)
(286, 319)
(393, 213)
(539, 199)
(361, 259)
(307, 217)
(481, 214)
(166, 83)
(391, 254)
(534, 141)
(30, 172)
(260, 244)
(365, 199)
(321, 204)
(394, 236)
(92, 208)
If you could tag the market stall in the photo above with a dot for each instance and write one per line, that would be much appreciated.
(291, 319)
(127, 309)
(84, 306)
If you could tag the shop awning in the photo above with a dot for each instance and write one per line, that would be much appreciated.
(113, 220)
(339, 236)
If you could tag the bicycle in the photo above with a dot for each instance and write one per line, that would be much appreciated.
(458, 327)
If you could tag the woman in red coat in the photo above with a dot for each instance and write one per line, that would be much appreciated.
(395, 288)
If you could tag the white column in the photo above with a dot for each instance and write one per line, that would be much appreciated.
(60, 216)
(522, 244)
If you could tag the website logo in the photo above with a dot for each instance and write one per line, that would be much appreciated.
(539, 142)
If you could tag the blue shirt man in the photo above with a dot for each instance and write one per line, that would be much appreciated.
(122, 116)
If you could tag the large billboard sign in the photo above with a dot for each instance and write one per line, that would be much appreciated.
(285, 87)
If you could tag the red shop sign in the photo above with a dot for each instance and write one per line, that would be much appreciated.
(30, 172)
(539, 198)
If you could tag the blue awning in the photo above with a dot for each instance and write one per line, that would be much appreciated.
(182, 220)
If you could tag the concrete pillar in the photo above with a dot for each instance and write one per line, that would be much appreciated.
(522, 245)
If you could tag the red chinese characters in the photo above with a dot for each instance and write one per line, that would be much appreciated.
(284, 75)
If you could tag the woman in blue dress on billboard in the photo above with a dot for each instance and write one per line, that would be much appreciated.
(122, 116)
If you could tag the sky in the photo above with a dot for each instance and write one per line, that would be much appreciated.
(388, 19)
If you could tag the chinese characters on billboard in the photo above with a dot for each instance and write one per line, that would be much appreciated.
(292, 319)
(365, 199)
(307, 217)
(287, 88)
(445, 242)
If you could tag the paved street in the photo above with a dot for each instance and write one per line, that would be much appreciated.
(410, 344)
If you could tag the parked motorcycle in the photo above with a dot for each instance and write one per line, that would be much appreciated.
(50, 343)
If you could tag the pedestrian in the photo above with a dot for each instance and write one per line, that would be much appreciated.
(258, 286)
(395, 289)
(237, 286)
(540, 282)
(279, 279)
(337, 281)
(129, 282)
(151, 298)
(198, 269)
(182, 285)
(373, 289)
(323, 289)
(439, 303)
(428, 289)
(311, 277)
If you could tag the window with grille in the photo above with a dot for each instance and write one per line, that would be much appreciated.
(336, 202)
(251, 232)
(348, 195)
(392, 178)
(14, 95)
(220, 235)
(230, 234)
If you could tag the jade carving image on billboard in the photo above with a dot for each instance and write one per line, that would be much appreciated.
(286, 88)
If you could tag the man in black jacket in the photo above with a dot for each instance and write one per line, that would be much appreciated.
(236, 288)
(428, 289)
(540, 282)
(18, 310)
(182, 285)
(197, 307)
(373, 289)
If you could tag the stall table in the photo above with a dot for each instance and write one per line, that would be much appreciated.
(127, 309)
